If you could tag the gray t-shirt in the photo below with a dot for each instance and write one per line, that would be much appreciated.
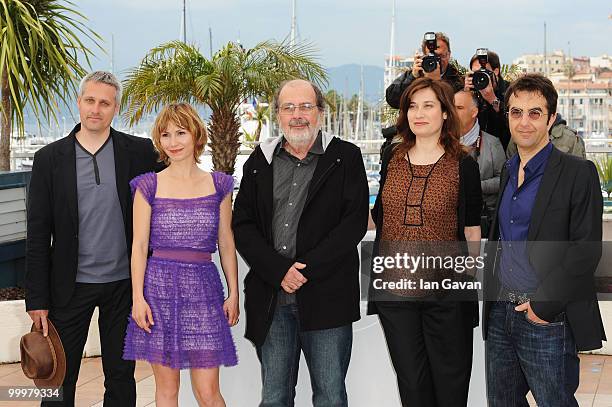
(103, 256)
(291, 182)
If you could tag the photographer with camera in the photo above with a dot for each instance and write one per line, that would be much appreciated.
(486, 81)
(435, 64)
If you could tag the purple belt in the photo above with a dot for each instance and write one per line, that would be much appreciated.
(186, 255)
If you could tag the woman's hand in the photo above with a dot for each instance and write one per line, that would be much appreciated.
(230, 308)
(142, 315)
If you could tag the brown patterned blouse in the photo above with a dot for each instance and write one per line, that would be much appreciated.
(420, 201)
(419, 205)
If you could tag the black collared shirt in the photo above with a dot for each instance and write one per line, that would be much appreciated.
(292, 178)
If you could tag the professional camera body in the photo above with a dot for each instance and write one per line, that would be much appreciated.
(482, 77)
(431, 60)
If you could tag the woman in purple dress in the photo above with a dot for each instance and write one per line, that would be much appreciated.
(180, 319)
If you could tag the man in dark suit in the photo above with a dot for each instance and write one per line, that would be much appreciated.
(80, 233)
(546, 244)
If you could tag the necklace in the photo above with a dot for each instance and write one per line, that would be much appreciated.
(413, 212)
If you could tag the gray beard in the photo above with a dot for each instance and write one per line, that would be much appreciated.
(301, 139)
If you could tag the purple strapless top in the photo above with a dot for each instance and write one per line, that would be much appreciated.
(190, 224)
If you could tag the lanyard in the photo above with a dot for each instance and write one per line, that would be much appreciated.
(477, 146)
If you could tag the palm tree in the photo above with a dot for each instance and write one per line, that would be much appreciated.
(604, 169)
(262, 114)
(39, 62)
(334, 103)
(510, 72)
(333, 99)
(179, 72)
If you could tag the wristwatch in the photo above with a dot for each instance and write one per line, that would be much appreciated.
(496, 104)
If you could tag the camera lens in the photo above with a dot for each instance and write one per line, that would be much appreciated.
(429, 63)
(480, 80)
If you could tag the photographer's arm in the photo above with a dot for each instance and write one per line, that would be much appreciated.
(488, 94)
(397, 87)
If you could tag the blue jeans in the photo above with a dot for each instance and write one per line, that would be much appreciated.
(327, 353)
(523, 355)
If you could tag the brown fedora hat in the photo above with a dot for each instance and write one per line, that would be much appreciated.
(43, 358)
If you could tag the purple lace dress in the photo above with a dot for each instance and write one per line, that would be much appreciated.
(184, 291)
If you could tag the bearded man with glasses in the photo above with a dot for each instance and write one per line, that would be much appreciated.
(541, 306)
(300, 213)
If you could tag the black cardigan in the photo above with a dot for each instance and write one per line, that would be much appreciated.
(468, 208)
(332, 224)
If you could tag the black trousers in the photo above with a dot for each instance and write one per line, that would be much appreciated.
(430, 344)
(72, 323)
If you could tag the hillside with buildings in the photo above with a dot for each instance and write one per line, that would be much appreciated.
(584, 85)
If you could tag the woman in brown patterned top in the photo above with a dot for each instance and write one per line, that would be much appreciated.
(429, 199)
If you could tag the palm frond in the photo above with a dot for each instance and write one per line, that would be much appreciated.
(604, 169)
(41, 52)
(179, 72)
(299, 61)
(510, 72)
(460, 68)
(166, 74)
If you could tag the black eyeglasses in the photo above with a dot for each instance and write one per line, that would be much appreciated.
(533, 114)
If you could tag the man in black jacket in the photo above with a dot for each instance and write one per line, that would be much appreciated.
(445, 71)
(300, 213)
(546, 236)
(80, 233)
(491, 109)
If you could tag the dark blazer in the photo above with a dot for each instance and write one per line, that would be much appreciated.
(333, 222)
(52, 233)
(564, 247)
(468, 208)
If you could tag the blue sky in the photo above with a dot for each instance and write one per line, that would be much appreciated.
(355, 31)
(352, 31)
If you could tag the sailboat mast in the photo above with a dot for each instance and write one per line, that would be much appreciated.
(210, 41)
(185, 21)
(112, 54)
(293, 25)
(392, 45)
(359, 118)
